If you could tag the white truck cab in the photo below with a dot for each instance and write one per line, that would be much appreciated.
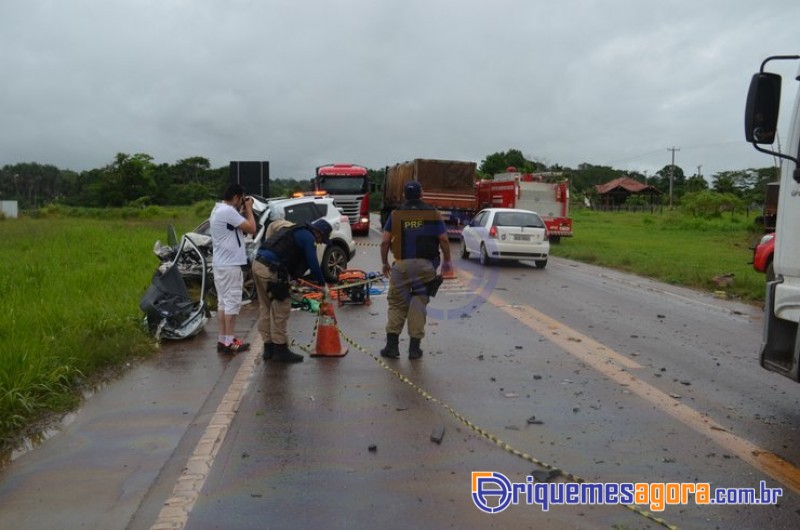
(780, 346)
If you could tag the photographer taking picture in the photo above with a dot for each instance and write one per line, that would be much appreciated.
(228, 229)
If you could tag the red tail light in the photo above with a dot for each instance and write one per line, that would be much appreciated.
(493, 231)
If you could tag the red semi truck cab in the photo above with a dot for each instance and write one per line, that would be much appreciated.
(349, 185)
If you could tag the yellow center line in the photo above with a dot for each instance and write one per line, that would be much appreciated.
(617, 367)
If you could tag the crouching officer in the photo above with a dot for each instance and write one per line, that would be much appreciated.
(415, 232)
(285, 254)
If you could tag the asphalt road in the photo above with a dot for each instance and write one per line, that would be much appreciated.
(606, 377)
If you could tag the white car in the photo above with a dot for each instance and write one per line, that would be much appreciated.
(506, 234)
(333, 258)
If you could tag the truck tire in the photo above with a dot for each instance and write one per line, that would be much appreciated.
(555, 239)
(770, 272)
(540, 263)
(334, 261)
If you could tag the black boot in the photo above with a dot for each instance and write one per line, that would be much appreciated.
(282, 354)
(414, 351)
(269, 349)
(392, 349)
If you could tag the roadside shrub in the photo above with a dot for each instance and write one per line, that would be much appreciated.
(708, 204)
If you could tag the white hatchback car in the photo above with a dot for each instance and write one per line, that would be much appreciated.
(506, 234)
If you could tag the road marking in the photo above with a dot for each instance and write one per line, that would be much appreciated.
(616, 366)
(175, 513)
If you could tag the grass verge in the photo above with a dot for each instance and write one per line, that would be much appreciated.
(70, 285)
(707, 254)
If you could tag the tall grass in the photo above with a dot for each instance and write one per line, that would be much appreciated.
(672, 247)
(70, 284)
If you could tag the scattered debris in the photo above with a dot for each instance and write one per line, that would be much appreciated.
(537, 377)
(533, 421)
(437, 434)
(687, 383)
(545, 476)
(511, 395)
(372, 448)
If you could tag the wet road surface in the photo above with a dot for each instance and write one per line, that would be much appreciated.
(607, 377)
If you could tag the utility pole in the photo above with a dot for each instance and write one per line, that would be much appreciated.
(671, 172)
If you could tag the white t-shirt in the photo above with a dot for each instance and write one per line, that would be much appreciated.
(226, 238)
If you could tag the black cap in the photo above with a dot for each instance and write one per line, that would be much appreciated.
(412, 190)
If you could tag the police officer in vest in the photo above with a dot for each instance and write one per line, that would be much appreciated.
(287, 253)
(415, 232)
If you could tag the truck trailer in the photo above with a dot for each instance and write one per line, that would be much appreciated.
(448, 185)
(780, 345)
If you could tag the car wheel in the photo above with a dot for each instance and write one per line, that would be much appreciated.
(540, 263)
(334, 261)
(770, 272)
(464, 251)
(485, 259)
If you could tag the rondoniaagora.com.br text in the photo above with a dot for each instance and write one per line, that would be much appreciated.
(492, 492)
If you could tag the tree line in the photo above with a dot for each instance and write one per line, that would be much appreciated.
(136, 180)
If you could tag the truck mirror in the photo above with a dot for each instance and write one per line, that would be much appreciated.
(761, 110)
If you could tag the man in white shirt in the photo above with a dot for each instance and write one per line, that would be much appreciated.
(228, 229)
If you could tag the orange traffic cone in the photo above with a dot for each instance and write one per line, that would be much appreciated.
(328, 344)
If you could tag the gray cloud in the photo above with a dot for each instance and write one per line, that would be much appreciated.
(302, 83)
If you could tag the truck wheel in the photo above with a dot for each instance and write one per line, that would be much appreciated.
(464, 251)
(334, 261)
(485, 259)
(540, 263)
(770, 272)
(555, 239)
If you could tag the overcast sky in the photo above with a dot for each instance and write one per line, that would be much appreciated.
(376, 82)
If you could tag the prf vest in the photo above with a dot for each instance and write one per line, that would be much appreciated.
(283, 245)
(414, 232)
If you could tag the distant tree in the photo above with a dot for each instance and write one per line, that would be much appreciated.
(129, 178)
(587, 176)
(663, 178)
(500, 162)
(695, 183)
(735, 182)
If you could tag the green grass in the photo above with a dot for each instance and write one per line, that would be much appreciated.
(671, 247)
(69, 300)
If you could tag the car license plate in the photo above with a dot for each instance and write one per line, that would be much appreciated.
(522, 238)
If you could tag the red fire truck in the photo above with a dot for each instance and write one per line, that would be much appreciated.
(544, 193)
(349, 185)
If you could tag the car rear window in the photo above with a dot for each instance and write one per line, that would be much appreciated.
(518, 219)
